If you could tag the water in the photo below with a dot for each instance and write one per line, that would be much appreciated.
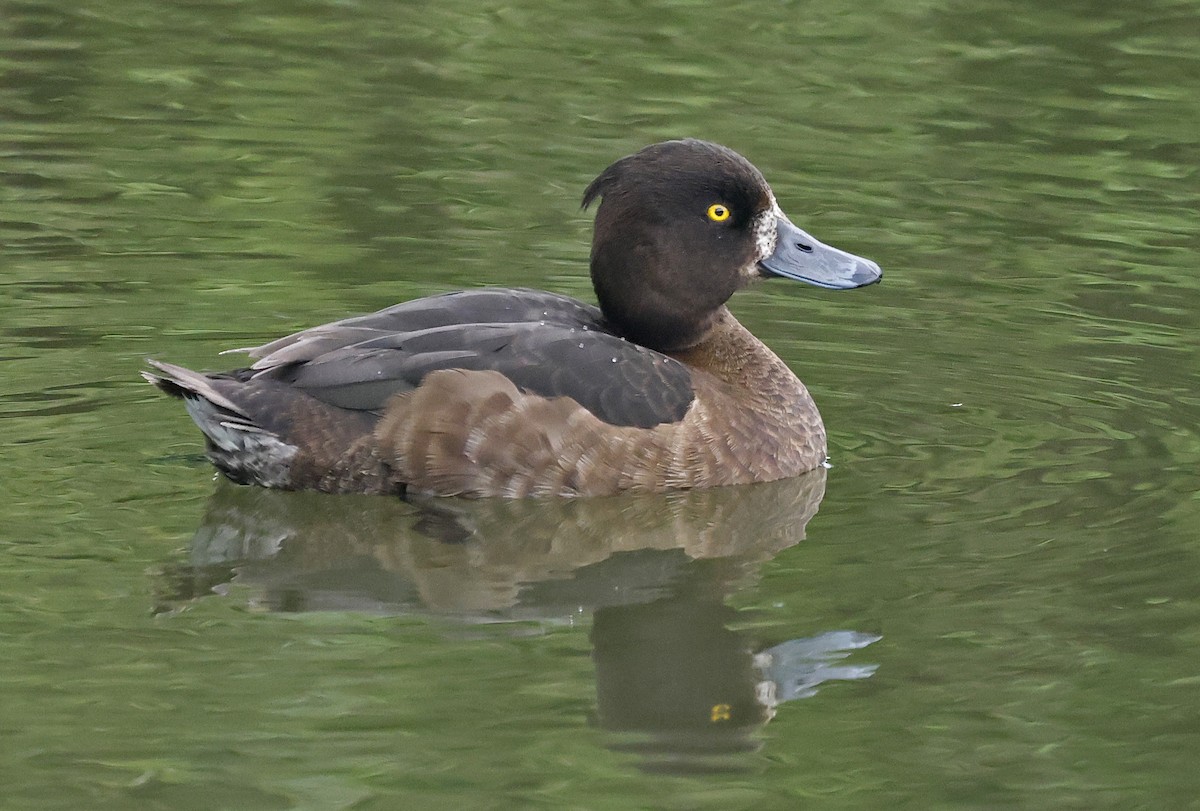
(995, 606)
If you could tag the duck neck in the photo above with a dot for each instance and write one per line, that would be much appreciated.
(731, 353)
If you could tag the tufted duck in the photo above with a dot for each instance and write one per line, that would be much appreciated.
(514, 392)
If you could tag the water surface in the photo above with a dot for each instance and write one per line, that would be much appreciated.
(989, 601)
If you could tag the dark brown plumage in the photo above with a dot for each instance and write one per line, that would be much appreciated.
(507, 392)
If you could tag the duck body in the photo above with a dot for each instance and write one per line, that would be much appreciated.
(515, 392)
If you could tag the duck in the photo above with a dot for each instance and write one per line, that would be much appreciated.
(513, 392)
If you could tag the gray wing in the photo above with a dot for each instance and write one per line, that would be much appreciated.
(546, 344)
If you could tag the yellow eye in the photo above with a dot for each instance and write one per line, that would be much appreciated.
(718, 212)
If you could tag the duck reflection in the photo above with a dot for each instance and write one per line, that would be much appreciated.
(674, 680)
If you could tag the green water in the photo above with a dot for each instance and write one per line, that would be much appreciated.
(996, 605)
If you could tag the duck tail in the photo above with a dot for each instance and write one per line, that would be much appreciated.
(263, 431)
(241, 448)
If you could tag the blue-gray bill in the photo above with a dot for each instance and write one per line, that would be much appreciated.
(799, 256)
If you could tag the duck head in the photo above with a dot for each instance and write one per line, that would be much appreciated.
(683, 225)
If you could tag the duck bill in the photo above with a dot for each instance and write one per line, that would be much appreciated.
(798, 256)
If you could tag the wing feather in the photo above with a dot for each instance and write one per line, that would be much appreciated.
(546, 344)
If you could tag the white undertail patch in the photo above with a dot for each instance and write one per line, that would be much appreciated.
(245, 451)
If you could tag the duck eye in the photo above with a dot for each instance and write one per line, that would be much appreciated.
(718, 212)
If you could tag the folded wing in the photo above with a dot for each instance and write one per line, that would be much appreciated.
(546, 344)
